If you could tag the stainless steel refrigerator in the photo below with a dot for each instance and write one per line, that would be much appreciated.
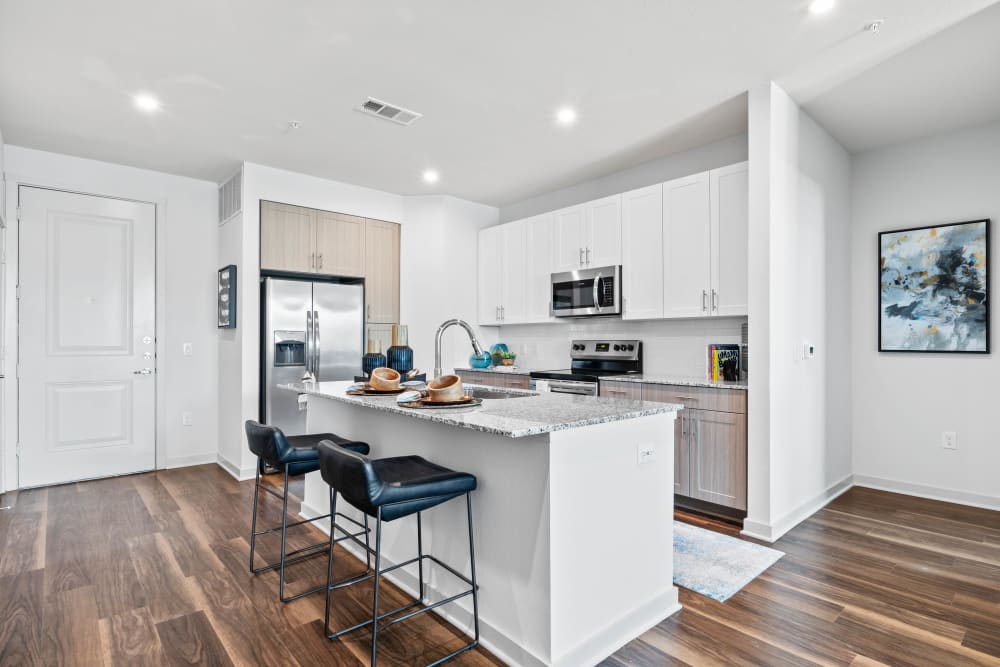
(312, 327)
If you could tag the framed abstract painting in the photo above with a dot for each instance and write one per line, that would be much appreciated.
(934, 289)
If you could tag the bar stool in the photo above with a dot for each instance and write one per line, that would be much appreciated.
(294, 455)
(390, 489)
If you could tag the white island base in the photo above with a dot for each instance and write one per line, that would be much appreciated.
(573, 534)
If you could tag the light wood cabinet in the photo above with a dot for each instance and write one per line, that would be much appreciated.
(287, 238)
(496, 379)
(614, 389)
(710, 442)
(340, 244)
(381, 271)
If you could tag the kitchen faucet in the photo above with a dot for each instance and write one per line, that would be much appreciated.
(476, 347)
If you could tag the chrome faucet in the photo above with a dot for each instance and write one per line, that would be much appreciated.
(476, 347)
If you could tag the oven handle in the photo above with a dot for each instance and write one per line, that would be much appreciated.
(597, 300)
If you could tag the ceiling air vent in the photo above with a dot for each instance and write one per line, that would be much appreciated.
(380, 109)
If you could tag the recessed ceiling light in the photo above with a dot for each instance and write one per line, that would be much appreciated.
(431, 176)
(146, 102)
(821, 6)
(566, 116)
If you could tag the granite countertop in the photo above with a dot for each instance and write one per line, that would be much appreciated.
(532, 414)
(684, 380)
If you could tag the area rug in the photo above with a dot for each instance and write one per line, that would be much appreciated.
(717, 565)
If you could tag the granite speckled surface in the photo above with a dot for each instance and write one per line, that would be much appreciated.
(683, 380)
(532, 414)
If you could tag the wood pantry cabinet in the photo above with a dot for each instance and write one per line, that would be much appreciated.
(710, 438)
(305, 240)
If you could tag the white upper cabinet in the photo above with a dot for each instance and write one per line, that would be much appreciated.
(570, 230)
(642, 253)
(604, 232)
(730, 217)
(588, 235)
(687, 245)
(538, 262)
(490, 275)
(513, 269)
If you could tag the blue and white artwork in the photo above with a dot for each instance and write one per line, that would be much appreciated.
(933, 289)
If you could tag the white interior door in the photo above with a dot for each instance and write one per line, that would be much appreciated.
(86, 335)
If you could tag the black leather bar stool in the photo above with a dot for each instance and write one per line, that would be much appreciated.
(294, 455)
(390, 489)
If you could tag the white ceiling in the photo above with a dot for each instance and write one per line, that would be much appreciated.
(950, 80)
(648, 77)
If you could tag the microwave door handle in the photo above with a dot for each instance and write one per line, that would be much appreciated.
(597, 289)
(316, 344)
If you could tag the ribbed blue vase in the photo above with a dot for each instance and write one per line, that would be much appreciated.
(399, 357)
(374, 359)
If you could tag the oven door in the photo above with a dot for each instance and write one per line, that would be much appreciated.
(573, 387)
(587, 292)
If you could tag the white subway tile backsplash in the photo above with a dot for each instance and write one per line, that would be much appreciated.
(669, 346)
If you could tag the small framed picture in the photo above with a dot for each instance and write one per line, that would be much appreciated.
(934, 289)
(227, 297)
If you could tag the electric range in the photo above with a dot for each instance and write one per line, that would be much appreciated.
(590, 360)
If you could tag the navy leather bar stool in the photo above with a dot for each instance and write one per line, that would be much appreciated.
(390, 489)
(293, 455)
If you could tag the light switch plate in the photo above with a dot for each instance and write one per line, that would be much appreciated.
(187, 418)
(188, 349)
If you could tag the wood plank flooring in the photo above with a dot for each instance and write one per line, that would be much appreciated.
(152, 570)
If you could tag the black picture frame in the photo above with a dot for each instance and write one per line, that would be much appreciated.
(881, 343)
(226, 305)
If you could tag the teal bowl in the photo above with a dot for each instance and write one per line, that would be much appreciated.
(483, 360)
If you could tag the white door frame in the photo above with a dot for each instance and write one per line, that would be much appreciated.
(8, 438)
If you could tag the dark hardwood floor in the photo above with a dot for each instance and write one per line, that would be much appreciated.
(152, 570)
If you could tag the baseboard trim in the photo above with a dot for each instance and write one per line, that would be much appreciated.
(492, 638)
(772, 532)
(239, 474)
(929, 492)
(190, 460)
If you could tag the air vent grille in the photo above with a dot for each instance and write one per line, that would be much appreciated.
(231, 197)
(386, 111)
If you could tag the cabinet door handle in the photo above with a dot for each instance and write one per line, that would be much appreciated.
(496, 313)
(320, 260)
(503, 313)
(312, 260)
(588, 256)
(704, 301)
(368, 311)
(715, 301)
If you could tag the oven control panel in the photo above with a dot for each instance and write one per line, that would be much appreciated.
(605, 349)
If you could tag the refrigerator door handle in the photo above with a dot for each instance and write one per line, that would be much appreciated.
(308, 355)
(316, 344)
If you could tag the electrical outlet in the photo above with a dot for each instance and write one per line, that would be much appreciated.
(645, 454)
(949, 440)
(187, 349)
(187, 418)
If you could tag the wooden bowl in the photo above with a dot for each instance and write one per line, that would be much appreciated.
(445, 388)
(384, 379)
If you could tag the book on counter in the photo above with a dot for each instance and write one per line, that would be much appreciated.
(723, 362)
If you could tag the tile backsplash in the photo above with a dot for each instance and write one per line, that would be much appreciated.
(674, 347)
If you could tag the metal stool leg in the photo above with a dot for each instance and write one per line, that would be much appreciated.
(284, 532)
(253, 522)
(472, 564)
(420, 559)
(378, 565)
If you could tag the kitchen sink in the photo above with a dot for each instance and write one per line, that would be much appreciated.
(487, 393)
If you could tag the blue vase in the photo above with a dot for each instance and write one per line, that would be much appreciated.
(400, 355)
(483, 360)
(373, 359)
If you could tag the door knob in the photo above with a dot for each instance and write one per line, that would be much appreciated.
(143, 371)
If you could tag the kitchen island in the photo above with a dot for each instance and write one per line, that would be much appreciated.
(573, 513)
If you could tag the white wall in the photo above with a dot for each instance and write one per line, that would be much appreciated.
(685, 163)
(800, 453)
(670, 347)
(438, 275)
(186, 255)
(902, 402)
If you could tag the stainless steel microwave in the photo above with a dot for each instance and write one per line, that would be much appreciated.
(587, 292)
